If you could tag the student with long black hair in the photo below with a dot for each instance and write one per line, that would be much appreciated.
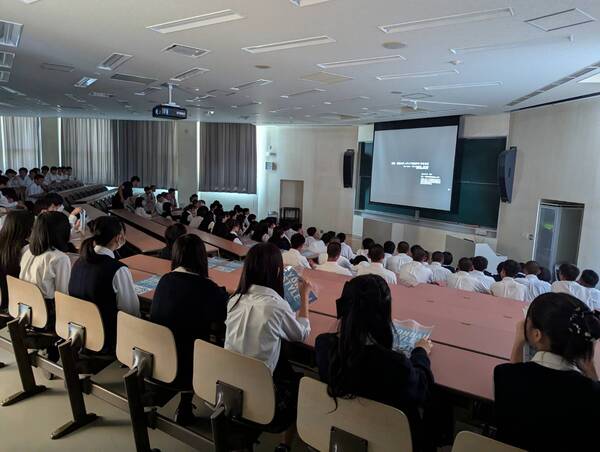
(551, 402)
(261, 232)
(358, 360)
(172, 233)
(259, 321)
(100, 278)
(193, 307)
(279, 240)
(13, 239)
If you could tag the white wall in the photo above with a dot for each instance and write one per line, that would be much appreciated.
(185, 141)
(313, 155)
(558, 158)
(50, 149)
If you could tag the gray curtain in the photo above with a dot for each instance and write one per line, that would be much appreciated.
(22, 142)
(228, 157)
(147, 149)
(87, 146)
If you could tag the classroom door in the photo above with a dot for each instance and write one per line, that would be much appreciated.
(291, 197)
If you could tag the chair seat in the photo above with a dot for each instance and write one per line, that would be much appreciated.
(39, 340)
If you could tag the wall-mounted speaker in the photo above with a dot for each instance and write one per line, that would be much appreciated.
(348, 168)
(507, 161)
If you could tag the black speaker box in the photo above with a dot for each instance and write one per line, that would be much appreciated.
(507, 161)
(348, 168)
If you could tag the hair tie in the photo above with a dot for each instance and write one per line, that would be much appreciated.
(579, 323)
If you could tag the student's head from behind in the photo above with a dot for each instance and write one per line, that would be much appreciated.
(376, 254)
(437, 256)
(55, 201)
(135, 181)
(358, 259)
(589, 278)
(562, 324)
(480, 263)
(545, 275)
(403, 247)
(367, 243)
(297, 241)
(334, 249)
(465, 264)
(389, 247)
(173, 232)
(166, 209)
(510, 268)
(189, 252)
(532, 268)
(415, 248)
(311, 231)
(327, 237)
(13, 235)
(568, 272)
(261, 229)
(341, 237)
(51, 230)
(419, 254)
(263, 266)
(3, 181)
(139, 202)
(108, 232)
(448, 258)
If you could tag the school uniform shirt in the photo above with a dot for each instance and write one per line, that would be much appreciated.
(50, 271)
(334, 267)
(396, 261)
(142, 213)
(289, 233)
(533, 413)
(294, 258)
(159, 208)
(362, 252)
(309, 241)
(342, 261)
(593, 298)
(195, 222)
(318, 246)
(439, 273)
(4, 202)
(258, 321)
(19, 182)
(414, 273)
(32, 190)
(51, 178)
(534, 287)
(508, 288)
(484, 279)
(377, 268)
(466, 281)
(346, 251)
(570, 287)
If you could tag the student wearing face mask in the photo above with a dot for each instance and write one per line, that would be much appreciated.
(100, 278)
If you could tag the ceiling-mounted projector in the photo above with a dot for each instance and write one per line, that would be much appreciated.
(170, 110)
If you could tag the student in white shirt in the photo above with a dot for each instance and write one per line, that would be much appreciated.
(533, 285)
(160, 200)
(415, 272)
(139, 208)
(589, 279)
(332, 265)
(259, 319)
(311, 236)
(346, 249)
(98, 277)
(480, 264)
(401, 257)
(319, 246)
(567, 275)
(439, 273)
(388, 248)
(22, 180)
(52, 176)
(376, 254)
(464, 279)
(293, 257)
(367, 243)
(4, 201)
(508, 287)
(34, 190)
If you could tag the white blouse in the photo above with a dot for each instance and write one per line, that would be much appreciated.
(49, 271)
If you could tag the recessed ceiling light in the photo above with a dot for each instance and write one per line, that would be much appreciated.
(114, 61)
(202, 20)
(435, 102)
(307, 2)
(253, 84)
(562, 19)
(462, 86)
(393, 45)
(304, 93)
(362, 61)
(6, 59)
(514, 44)
(188, 51)
(262, 66)
(326, 78)
(189, 74)
(285, 45)
(4, 76)
(85, 82)
(133, 78)
(454, 19)
(29, 2)
(57, 67)
(423, 74)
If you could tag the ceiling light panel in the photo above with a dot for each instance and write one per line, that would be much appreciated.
(351, 99)
(307, 2)
(57, 67)
(85, 82)
(6, 59)
(286, 45)
(147, 91)
(10, 33)
(4, 76)
(101, 94)
(327, 78)
(114, 61)
(462, 86)
(304, 93)
(562, 19)
(204, 20)
(133, 78)
(362, 61)
(417, 96)
(188, 51)
(417, 75)
(253, 84)
(514, 44)
(455, 19)
(189, 74)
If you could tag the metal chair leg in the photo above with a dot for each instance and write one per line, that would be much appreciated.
(134, 384)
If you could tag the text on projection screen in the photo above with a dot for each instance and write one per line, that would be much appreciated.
(414, 167)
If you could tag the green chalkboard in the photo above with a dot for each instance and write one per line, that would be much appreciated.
(475, 197)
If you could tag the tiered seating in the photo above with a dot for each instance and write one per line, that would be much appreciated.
(102, 200)
(71, 196)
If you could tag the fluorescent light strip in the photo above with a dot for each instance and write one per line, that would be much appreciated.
(114, 61)
(417, 75)
(57, 67)
(514, 44)
(147, 91)
(462, 86)
(255, 83)
(302, 3)
(455, 19)
(302, 93)
(285, 45)
(202, 20)
(362, 61)
(189, 74)
(85, 82)
(416, 101)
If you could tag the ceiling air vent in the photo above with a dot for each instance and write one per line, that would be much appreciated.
(114, 61)
(188, 51)
(133, 78)
(189, 74)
